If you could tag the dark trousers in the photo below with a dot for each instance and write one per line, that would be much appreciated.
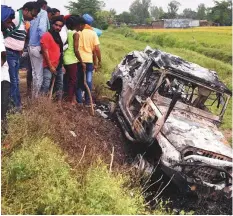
(80, 82)
(29, 77)
(12, 58)
(5, 98)
(71, 76)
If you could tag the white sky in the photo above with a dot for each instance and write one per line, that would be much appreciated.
(118, 5)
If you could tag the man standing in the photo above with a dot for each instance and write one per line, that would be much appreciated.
(39, 26)
(14, 43)
(64, 30)
(88, 49)
(72, 55)
(52, 50)
(7, 15)
(89, 20)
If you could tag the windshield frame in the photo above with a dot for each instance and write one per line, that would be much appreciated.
(164, 73)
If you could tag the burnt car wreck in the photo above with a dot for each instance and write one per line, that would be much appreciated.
(176, 105)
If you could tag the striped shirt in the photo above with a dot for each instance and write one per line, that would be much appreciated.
(16, 40)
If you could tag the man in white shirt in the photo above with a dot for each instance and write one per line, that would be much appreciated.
(7, 15)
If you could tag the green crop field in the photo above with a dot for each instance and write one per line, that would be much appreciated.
(214, 42)
(115, 46)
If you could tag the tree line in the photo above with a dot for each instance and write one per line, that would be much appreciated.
(143, 12)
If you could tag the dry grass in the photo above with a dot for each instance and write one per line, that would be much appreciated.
(46, 170)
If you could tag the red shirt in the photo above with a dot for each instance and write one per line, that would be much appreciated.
(47, 42)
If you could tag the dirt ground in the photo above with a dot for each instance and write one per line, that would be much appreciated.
(78, 130)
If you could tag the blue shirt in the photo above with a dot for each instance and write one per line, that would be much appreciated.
(38, 27)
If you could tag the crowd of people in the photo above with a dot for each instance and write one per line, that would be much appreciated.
(58, 51)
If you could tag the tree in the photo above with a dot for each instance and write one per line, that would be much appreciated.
(221, 13)
(113, 12)
(201, 12)
(156, 12)
(173, 8)
(112, 18)
(189, 13)
(125, 17)
(140, 9)
(103, 19)
(80, 7)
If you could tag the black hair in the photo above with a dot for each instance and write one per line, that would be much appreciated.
(73, 21)
(49, 10)
(81, 20)
(70, 22)
(42, 3)
(58, 18)
(54, 11)
(31, 6)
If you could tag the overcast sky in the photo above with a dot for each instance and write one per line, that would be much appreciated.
(118, 5)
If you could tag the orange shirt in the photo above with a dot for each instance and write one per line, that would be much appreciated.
(27, 26)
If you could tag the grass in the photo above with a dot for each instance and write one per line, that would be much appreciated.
(37, 177)
(115, 46)
(224, 30)
(37, 180)
(212, 42)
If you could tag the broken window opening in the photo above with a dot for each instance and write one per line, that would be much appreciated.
(132, 63)
(193, 95)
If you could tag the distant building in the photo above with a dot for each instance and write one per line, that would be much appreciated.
(205, 23)
(175, 23)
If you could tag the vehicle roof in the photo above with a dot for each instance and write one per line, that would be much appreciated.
(187, 69)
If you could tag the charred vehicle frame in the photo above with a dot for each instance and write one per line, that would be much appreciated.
(176, 105)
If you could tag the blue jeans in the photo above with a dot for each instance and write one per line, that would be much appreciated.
(47, 77)
(80, 82)
(12, 58)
